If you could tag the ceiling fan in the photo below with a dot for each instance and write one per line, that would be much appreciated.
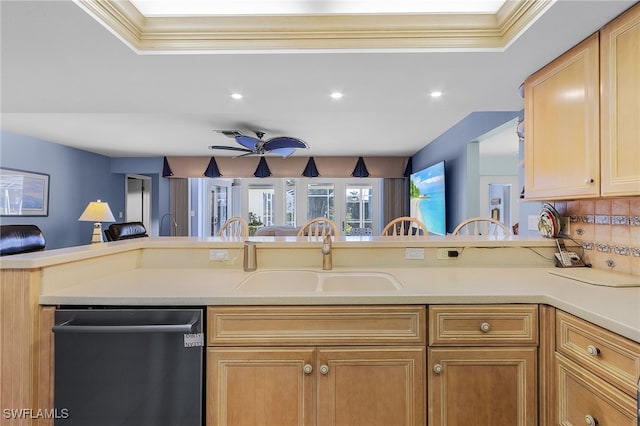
(281, 145)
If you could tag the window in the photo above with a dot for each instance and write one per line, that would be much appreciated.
(290, 202)
(260, 206)
(320, 200)
(358, 209)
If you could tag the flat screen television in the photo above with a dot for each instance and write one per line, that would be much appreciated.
(427, 196)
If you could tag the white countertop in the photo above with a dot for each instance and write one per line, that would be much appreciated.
(616, 309)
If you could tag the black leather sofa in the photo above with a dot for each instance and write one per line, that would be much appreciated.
(125, 231)
(16, 239)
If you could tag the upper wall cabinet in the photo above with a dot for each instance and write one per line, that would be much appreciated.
(580, 142)
(562, 126)
(620, 105)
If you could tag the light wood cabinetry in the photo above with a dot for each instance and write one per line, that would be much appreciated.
(620, 104)
(581, 118)
(562, 128)
(482, 365)
(316, 365)
(596, 373)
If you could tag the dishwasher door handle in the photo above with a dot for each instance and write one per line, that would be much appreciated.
(70, 327)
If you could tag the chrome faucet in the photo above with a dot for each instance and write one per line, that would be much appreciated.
(327, 261)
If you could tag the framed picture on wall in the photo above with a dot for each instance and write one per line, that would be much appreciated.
(23, 193)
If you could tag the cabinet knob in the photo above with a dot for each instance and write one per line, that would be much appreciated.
(437, 368)
(588, 180)
(591, 421)
(592, 350)
(485, 327)
(324, 369)
(308, 369)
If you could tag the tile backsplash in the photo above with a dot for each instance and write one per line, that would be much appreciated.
(608, 230)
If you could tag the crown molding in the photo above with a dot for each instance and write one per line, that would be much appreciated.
(315, 32)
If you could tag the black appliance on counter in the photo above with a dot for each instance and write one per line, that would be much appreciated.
(128, 367)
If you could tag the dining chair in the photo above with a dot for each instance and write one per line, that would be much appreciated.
(405, 225)
(234, 227)
(482, 226)
(318, 227)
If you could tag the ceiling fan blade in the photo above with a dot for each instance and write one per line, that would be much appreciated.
(230, 148)
(285, 152)
(229, 133)
(284, 142)
(248, 141)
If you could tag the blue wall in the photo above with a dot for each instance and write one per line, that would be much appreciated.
(76, 178)
(451, 147)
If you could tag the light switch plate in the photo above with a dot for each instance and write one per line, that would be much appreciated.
(218, 255)
(414, 253)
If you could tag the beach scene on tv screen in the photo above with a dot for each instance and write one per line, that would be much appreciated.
(428, 198)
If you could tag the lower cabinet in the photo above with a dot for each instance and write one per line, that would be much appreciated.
(596, 374)
(316, 366)
(368, 385)
(494, 386)
(585, 399)
(482, 365)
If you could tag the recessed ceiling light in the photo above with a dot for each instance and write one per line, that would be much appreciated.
(236, 95)
(436, 94)
(336, 95)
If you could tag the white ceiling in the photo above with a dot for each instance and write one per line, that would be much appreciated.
(68, 80)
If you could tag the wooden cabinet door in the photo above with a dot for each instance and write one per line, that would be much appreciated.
(620, 103)
(482, 386)
(260, 386)
(562, 131)
(584, 398)
(373, 386)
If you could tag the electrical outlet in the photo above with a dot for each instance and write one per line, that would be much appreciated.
(447, 254)
(414, 253)
(218, 255)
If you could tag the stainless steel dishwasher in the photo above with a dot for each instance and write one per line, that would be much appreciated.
(129, 367)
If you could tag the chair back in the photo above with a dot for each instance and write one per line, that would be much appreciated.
(234, 227)
(125, 231)
(482, 226)
(318, 227)
(406, 226)
(16, 239)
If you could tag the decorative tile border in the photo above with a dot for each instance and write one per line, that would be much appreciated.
(608, 248)
(605, 219)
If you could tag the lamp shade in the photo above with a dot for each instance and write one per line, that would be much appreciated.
(97, 211)
(311, 170)
(361, 169)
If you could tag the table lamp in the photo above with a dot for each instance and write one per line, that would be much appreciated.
(97, 212)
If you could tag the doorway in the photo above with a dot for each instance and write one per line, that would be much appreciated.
(138, 199)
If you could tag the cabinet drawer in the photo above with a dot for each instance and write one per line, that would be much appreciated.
(316, 325)
(583, 396)
(485, 325)
(602, 352)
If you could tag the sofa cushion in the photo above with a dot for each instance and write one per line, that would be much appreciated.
(15, 239)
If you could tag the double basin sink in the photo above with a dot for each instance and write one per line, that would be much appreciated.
(271, 281)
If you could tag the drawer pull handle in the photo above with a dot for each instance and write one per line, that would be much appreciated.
(324, 370)
(591, 421)
(485, 327)
(437, 368)
(308, 369)
(592, 350)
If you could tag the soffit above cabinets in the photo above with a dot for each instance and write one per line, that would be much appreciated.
(308, 32)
